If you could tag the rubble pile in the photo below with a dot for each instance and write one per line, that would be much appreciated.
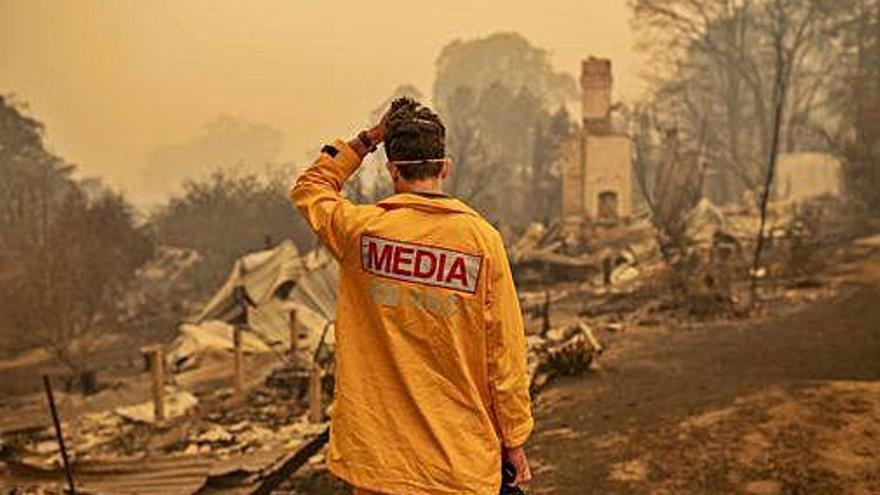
(217, 427)
(88, 437)
(602, 255)
(564, 351)
(630, 273)
(204, 418)
(800, 237)
(223, 439)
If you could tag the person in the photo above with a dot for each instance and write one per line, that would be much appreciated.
(431, 384)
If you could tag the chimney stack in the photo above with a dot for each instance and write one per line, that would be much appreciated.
(596, 82)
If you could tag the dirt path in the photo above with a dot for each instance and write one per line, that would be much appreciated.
(787, 406)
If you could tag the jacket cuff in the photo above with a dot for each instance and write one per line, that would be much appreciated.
(518, 436)
(347, 159)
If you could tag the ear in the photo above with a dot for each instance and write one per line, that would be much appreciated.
(447, 168)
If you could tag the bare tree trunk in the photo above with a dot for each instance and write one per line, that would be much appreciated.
(780, 88)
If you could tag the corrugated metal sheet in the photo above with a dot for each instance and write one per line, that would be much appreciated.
(260, 273)
(184, 475)
(313, 278)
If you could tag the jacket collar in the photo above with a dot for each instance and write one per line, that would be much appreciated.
(437, 204)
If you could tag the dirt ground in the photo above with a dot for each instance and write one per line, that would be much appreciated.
(786, 406)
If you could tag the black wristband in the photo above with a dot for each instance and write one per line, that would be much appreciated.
(330, 150)
(364, 138)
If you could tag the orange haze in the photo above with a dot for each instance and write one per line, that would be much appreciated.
(114, 81)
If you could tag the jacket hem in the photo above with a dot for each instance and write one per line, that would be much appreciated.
(400, 486)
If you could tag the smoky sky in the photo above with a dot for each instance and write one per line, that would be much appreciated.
(121, 84)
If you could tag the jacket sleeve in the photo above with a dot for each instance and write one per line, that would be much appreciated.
(317, 195)
(508, 374)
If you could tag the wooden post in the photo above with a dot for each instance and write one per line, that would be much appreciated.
(58, 434)
(607, 270)
(238, 377)
(294, 335)
(156, 359)
(315, 412)
(545, 314)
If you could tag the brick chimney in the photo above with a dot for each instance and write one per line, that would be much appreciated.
(596, 82)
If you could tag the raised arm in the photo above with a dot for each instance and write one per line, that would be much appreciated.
(318, 191)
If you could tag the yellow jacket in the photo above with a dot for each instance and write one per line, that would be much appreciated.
(430, 348)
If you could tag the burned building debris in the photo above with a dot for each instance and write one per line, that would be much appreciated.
(209, 429)
(598, 233)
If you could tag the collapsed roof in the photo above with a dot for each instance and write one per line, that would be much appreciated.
(261, 291)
